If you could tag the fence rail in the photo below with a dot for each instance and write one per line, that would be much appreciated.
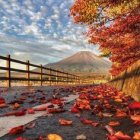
(53, 75)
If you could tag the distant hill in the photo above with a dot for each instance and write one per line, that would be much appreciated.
(82, 62)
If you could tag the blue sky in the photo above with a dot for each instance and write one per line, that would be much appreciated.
(40, 30)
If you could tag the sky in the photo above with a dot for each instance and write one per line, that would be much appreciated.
(41, 31)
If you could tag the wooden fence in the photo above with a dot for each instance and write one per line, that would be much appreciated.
(51, 76)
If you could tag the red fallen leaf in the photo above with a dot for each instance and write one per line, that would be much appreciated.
(30, 111)
(75, 110)
(135, 118)
(134, 105)
(114, 123)
(86, 121)
(3, 105)
(20, 113)
(111, 137)
(120, 114)
(136, 136)
(8, 114)
(105, 101)
(110, 129)
(93, 97)
(17, 130)
(100, 96)
(55, 110)
(65, 122)
(122, 136)
(83, 104)
(118, 100)
(2, 100)
(15, 106)
(84, 96)
(15, 113)
(57, 101)
(108, 106)
(137, 122)
(94, 124)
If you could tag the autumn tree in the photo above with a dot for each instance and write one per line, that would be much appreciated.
(115, 26)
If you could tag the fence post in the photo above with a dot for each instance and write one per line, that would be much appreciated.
(70, 79)
(28, 72)
(76, 79)
(41, 75)
(79, 80)
(57, 77)
(73, 79)
(8, 74)
(50, 76)
(67, 78)
(62, 79)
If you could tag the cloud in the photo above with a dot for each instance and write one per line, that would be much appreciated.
(41, 31)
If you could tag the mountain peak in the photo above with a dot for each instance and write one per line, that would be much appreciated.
(83, 61)
(85, 52)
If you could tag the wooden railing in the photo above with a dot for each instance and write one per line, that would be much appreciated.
(52, 75)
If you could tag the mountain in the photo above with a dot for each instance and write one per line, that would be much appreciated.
(82, 62)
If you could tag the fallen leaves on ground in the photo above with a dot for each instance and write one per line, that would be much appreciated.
(136, 119)
(74, 109)
(17, 130)
(55, 110)
(81, 137)
(121, 136)
(21, 128)
(15, 113)
(102, 102)
(110, 130)
(15, 106)
(57, 102)
(90, 122)
(54, 137)
(134, 105)
(112, 137)
(3, 105)
(31, 111)
(114, 123)
(2, 100)
(116, 135)
(136, 136)
(65, 122)
(121, 114)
